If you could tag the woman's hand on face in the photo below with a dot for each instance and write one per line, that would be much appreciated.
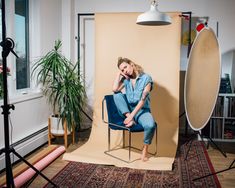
(124, 75)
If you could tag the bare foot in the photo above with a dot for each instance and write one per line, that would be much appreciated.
(131, 123)
(144, 156)
(144, 159)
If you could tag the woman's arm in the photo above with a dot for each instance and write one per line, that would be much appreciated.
(140, 104)
(118, 82)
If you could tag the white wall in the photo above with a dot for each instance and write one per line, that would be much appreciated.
(50, 23)
(29, 116)
(216, 10)
(68, 18)
(227, 58)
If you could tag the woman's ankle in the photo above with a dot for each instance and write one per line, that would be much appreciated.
(144, 156)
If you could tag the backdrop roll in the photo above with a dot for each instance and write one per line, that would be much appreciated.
(157, 50)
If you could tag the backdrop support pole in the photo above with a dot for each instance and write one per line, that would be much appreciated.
(78, 51)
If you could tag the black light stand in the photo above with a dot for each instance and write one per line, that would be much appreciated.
(198, 133)
(189, 16)
(224, 154)
(229, 168)
(8, 45)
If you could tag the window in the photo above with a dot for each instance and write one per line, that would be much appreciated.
(18, 30)
(22, 44)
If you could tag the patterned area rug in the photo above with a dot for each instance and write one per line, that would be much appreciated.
(184, 171)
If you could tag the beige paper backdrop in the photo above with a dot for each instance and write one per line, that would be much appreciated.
(157, 50)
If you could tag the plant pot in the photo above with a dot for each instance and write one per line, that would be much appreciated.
(56, 125)
(56, 128)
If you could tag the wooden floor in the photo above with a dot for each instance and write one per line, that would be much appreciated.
(227, 179)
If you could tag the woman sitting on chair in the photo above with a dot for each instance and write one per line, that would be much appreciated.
(134, 105)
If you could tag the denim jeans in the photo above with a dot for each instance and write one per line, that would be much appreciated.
(143, 117)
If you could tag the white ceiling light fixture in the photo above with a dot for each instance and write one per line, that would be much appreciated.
(153, 17)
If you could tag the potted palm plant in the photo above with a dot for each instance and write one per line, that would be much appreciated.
(62, 85)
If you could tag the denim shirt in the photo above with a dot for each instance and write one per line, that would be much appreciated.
(134, 95)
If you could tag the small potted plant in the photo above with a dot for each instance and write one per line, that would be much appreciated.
(62, 85)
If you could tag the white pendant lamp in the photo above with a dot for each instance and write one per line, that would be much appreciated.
(153, 17)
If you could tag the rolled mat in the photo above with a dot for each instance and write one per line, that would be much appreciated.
(25, 176)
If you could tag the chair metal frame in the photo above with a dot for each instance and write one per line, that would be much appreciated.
(107, 152)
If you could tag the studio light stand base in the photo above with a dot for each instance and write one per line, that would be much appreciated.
(217, 147)
(198, 133)
(229, 168)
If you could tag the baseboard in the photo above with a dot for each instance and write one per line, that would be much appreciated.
(27, 145)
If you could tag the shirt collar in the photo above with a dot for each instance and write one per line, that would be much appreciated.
(139, 76)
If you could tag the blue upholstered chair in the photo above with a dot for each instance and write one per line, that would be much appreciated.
(115, 122)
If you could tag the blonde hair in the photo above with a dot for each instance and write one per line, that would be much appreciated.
(137, 68)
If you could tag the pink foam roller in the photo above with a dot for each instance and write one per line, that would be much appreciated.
(21, 179)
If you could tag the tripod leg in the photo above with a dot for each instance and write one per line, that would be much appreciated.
(230, 167)
(207, 146)
(31, 166)
(8, 167)
(232, 164)
(224, 154)
(190, 144)
(9, 174)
